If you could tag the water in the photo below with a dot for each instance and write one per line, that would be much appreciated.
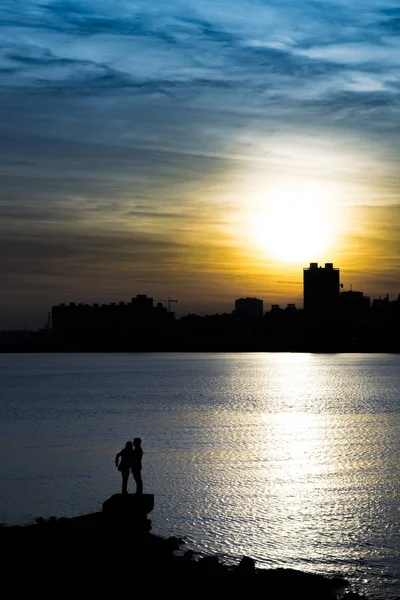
(292, 459)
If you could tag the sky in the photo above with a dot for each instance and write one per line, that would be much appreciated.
(198, 150)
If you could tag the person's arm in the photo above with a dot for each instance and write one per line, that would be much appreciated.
(117, 457)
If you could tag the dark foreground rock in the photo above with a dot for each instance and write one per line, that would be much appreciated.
(109, 553)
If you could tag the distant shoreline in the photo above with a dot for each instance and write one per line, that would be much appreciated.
(201, 340)
(202, 351)
(321, 348)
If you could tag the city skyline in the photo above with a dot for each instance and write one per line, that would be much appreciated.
(170, 305)
(189, 151)
(245, 297)
(323, 301)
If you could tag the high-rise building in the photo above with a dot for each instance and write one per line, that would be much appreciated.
(321, 292)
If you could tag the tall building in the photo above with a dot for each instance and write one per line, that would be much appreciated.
(249, 307)
(321, 293)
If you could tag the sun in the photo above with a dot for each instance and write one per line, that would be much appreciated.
(294, 224)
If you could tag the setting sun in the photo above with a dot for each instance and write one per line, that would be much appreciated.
(294, 225)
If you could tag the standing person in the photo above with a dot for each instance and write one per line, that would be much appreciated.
(137, 464)
(124, 466)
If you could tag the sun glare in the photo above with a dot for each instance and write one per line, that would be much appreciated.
(294, 225)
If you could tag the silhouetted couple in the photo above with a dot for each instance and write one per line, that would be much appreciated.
(131, 460)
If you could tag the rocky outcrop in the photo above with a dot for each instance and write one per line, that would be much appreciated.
(113, 552)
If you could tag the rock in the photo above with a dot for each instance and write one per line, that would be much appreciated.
(246, 567)
(128, 505)
(174, 543)
(129, 510)
(92, 553)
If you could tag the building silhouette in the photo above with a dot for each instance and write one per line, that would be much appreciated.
(331, 320)
(354, 306)
(249, 307)
(115, 319)
(321, 293)
(382, 311)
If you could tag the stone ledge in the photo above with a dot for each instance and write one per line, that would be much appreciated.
(128, 505)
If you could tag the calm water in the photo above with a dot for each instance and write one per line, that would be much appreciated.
(293, 459)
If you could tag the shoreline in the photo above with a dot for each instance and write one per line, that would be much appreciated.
(116, 549)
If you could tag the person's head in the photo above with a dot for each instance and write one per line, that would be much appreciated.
(137, 442)
(128, 445)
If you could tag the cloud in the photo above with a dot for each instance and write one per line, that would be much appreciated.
(358, 53)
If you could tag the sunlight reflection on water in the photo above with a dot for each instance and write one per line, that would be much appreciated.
(292, 459)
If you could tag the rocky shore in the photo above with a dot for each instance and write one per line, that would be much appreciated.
(115, 552)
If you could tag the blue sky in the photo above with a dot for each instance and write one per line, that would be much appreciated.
(136, 138)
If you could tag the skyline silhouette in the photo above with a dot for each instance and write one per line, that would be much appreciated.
(143, 305)
(331, 319)
(322, 300)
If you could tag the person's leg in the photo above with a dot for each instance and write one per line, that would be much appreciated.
(125, 475)
(137, 476)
